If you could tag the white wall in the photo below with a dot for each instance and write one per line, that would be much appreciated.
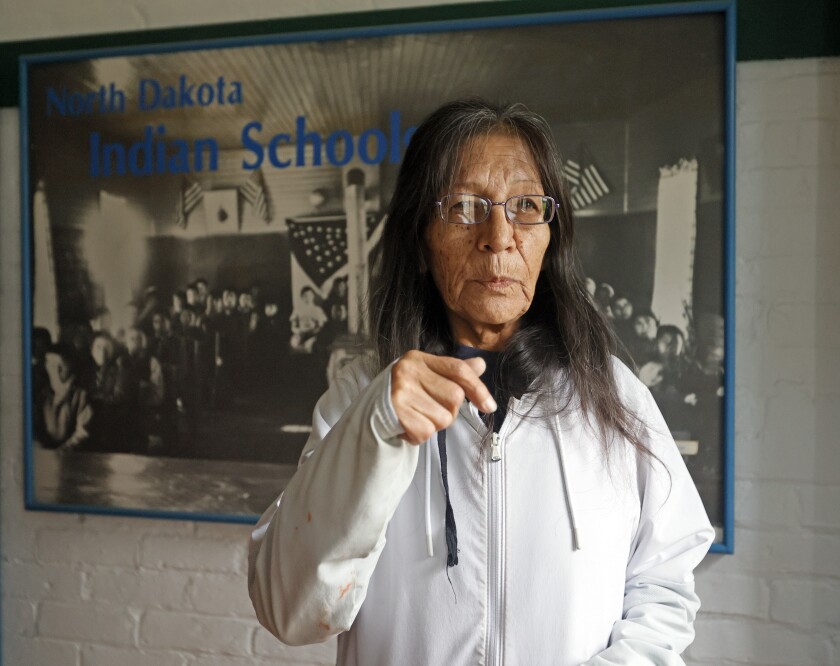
(91, 590)
(777, 600)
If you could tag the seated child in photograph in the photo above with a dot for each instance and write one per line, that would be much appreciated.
(307, 321)
(63, 412)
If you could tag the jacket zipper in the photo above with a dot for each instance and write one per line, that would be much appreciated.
(496, 554)
(495, 449)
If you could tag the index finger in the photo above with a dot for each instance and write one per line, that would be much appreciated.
(466, 375)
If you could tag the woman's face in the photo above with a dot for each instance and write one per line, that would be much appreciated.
(486, 273)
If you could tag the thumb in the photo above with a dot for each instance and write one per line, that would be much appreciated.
(477, 364)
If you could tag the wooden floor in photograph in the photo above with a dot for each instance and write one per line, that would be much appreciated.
(132, 481)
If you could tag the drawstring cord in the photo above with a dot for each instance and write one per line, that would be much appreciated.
(576, 545)
(451, 530)
(430, 548)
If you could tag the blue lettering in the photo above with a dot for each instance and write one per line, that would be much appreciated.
(338, 148)
(332, 140)
(94, 154)
(141, 148)
(395, 118)
(399, 140)
(272, 150)
(54, 101)
(76, 104)
(249, 144)
(302, 139)
(180, 161)
(185, 92)
(160, 163)
(235, 96)
(154, 153)
(213, 150)
(116, 100)
(381, 146)
(108, 99)
(117, 151)
(148, 87)
(205, 94)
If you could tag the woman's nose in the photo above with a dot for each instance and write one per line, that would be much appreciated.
(496, 234)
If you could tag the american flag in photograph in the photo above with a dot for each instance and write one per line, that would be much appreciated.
(253, 190)
(320, 247)
(191, 194)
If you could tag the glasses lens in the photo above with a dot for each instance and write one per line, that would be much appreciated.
(463, 209)
(530, 209)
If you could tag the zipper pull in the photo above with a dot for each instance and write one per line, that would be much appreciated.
(495, 448)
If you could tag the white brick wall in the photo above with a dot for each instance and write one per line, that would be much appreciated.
(103, 591)
(777, 600)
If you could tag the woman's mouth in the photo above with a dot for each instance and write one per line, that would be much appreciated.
(497, 283)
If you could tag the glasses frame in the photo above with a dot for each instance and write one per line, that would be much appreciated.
(491, 203)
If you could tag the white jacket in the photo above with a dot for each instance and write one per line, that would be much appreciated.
(565, 558)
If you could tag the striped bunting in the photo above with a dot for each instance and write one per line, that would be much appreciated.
(571, 171)
(191, 195)
(253, 190)
(590, 189)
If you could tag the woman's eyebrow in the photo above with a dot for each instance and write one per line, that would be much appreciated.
(467, 184)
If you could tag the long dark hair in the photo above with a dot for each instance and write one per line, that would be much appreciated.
(561, 335)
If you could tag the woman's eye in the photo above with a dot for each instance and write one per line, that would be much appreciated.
(465, 207)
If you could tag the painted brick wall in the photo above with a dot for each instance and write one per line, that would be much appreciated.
(98, 591)
(777, 600)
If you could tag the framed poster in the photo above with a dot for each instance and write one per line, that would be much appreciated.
(199, 220)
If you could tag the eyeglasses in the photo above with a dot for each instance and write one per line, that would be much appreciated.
(525, 209)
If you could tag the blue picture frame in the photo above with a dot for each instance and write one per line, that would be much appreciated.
(721, 68)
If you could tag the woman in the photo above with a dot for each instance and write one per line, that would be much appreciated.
(559, 527)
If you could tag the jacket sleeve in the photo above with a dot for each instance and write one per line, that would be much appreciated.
(314, 550)
(673, 536)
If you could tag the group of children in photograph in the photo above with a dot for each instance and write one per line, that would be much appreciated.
(683, 369)
(136, 388)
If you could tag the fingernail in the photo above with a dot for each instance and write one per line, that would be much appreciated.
(491, 405)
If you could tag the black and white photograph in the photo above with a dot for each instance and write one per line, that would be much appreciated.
(201, 223)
